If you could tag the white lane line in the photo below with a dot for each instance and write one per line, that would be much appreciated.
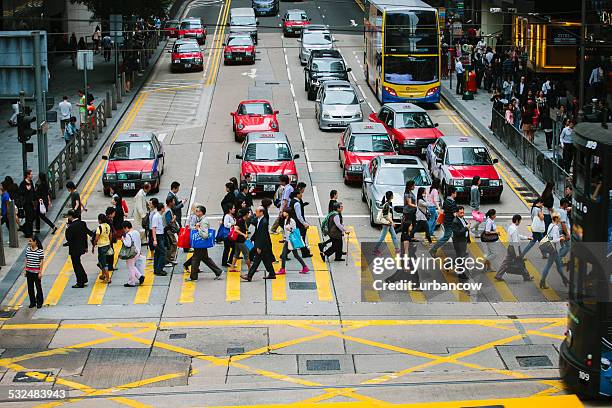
(317, 202)
(353, 76)
(161, 136)
(302, 132)
(292, 90)
(286, 60)
(197, 174)
(307, 160)
(366, 98)
(288, 74)
(192, 198)
(297, 109)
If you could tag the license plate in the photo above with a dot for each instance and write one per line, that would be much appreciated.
(238, 58)
(269, 187)
(187, 65)
(341, 123)
(424, 150)
(129, 186)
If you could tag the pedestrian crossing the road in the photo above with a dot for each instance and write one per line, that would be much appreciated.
(318, 286)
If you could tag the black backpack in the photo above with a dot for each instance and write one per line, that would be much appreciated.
(90, 98)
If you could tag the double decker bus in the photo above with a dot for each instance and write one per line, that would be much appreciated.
(586, 353)
(402, 58)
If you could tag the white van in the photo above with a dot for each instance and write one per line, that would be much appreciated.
(243, 20)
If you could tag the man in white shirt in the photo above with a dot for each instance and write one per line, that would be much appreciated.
(460, 71)
(140, 207)
(285, 200)
(65, 109)
(596, 80)
(158, 240)
(567, 144)
(513, 263)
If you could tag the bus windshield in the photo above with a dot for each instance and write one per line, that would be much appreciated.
(411, 32)
(410, 70)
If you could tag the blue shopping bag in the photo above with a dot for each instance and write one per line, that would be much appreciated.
(222, 232)
(249, 244)
(296, 239)
(197, 242)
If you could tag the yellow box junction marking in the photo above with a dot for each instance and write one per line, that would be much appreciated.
(365, 273)
(188, 286)
(279, 285)
(321, 272)
(143, 293)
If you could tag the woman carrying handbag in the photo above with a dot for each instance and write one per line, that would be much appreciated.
(489, 237)
(293, 240)
(538, 228)
(385, 218)
(130, 252)
(550, 245)
(34, 257)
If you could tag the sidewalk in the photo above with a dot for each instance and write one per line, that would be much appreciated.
(477, 113)
(64, 80)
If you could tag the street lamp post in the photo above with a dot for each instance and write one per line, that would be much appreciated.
(581, 69)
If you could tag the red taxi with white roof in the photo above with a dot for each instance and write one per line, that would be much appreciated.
(192, 27)
(455, 160)
(294, 22)
(239, 49)
(266, 156)
(358, 145)
(186, 55)
(409, 125)
(253, 116)
(135, 158)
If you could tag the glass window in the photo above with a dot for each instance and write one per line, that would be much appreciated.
(240, 41)
(370, 143)
(267, 152)
(411, 32)
(327, 65)
(132, 151)
(255, 109)
(242, 20)
(412, 120)
(410, 70)
(187, 47)
(317, 38)
(399, 176)
(340, 97)
(382, 116)
(296, 16)
(190, 25)
(468, 156)
(171, 24)
(596, 179)
(581, 172)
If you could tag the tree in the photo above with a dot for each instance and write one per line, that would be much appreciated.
(101, 9)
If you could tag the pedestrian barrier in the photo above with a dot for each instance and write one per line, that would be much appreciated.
(544, 167)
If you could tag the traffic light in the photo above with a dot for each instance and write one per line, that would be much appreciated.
(24, 131)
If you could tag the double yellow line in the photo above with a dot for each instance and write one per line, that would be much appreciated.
(216, 46)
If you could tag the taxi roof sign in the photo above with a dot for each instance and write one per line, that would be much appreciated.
(463, 139)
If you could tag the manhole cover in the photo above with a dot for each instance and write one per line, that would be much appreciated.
(178, 336)
(232, 351)
(7, 314)
(323, 365)
(534, 361)
(302, 285)
(22, 377)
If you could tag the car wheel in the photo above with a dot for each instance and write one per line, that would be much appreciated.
(444, 189)
(372, 222)
(305, 85)
(155, 189)
(106, 191)
(363, 197)
(236, 138)
(497, 198)
(311, 95)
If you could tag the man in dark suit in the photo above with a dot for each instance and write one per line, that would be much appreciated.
(461, 237)
(262, 245)
(76, 238)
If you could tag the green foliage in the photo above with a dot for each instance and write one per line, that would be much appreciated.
(101, 9)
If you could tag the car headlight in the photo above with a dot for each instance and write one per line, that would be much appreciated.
(198, 60)
(357, 115)
(240, 126)
(457, 182)
(355, 167)
(326, 115)
(147, 175)
(292, 178)
(111, 176)
(176, 61)
(409, 142)
(494, 183)
(274, 125)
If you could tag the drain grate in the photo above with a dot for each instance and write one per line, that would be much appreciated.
(178, 336)
(7, 314)
(22, 377)
(302, 285)
(323, 365)
(272, 83)
(232, 351)
(534, 361)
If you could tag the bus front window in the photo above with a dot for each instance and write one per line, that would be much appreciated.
(411, 32)
(410, 70)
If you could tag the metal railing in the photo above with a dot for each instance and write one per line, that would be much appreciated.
(544, 167)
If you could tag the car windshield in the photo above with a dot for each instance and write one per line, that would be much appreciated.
(240, 41)
(190, 25)
(187, 48)
(296, 16)
(317, 38)
(255, 109)
(132, 151)
(327, 65)
(267, 152)
(242, 20)
(468, 156)
(412, 120)
(399, 176)
(340, 97)
(411, 32)
(370, 143)
(410, 70)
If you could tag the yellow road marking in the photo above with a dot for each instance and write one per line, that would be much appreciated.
(99, 287)
(232, 286)
(451, 277)
(415, 295)
(187, 286)
(143, 293)
(279, 285)
(365, 273)
(321, 272)
(217, 47)
(59, 285)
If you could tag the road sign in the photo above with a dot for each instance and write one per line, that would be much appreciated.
(116, 25)
(51, 116)
(85, 56)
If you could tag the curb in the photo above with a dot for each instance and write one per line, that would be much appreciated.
(485, 134)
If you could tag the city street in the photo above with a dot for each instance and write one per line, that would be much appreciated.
(301, 338)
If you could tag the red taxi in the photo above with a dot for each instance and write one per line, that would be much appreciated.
(253, 116)
(186, 54)
(171, 28)
(238, 49)
(266, 156)
(294, 22)
(455, 160)
(409, 125)
(193, 28)
(358, 145)
(135, 158)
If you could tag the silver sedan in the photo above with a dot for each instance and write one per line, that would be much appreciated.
(337, 105)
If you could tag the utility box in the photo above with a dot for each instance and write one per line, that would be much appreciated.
(17, 64)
